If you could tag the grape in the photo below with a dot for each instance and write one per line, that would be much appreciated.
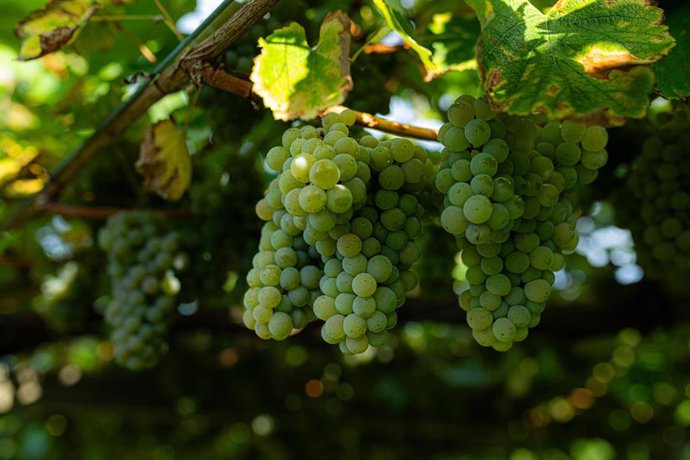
(595, 138)
(477, 132)
(312, 199)
(392, 178)
(504, 330)
(402, 150)
(477, 209)
(276, 157)
(455, 139)
(479, 319)
(573, 131)
(364, 285)
(484, 163)
(380, 267)
(538, 290)
(324, 174)
(459, 113)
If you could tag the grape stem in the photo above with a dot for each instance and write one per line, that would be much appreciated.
(220, 79)
(381, 124)
(104, 212)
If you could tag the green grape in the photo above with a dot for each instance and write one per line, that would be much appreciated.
(477, 132)
(538, 290)
(402, 150)
(453, 220)
(354, 326)
(504, 330)
(280, 325)
(573, 131)
(459, 113)
(380, 267)
(334, 327)
(455, 139)
(541, 258)
(595, 138)
(479, 319)
(312, 199)
(498, 284)
(484, 163)
(324, 174)
(392, 177)
(477, 209)
(339, 199)
(482, 184)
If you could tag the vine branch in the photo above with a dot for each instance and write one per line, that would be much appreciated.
(220, 79)
(104, 212)
(381, 124)
(170, 76)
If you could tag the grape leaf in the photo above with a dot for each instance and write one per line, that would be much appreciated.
(446, 45)
(164, 160)
(296, 81)
(398, 23)
(583, 58)
(53, 27)
(673, 72)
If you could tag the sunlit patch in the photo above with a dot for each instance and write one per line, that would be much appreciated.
(600, 57)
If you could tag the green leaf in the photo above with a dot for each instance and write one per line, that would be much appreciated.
(398, 23)
(447, 44)
(583, 58)
(164, 160)
(673, 72)
(55, 26)
(296, 81)
(452, 38)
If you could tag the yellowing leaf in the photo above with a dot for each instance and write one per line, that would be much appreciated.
(296, 81)
(164, 160)
(53, 27)
(580, 58)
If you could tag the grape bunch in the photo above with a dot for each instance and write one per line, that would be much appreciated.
(655, 201)
(510, 188)
(142, 263)
(354, 204)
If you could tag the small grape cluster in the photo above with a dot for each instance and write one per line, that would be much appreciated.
(351, 207)
(142, 265)
(509, 190)
(655, 203)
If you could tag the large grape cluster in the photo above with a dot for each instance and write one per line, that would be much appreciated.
(353, 203)
(142, 261)
(655, 203)
(509, 187)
